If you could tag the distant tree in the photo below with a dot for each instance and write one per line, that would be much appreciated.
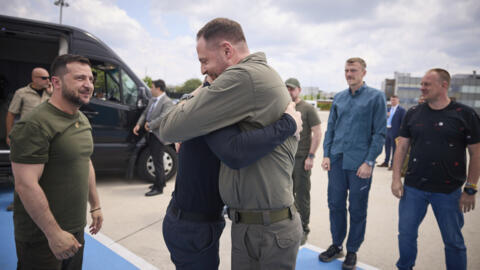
(148, 81)
(189, 86)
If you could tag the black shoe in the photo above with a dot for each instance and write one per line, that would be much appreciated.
(333, 252)
(151, 186)
(154, 192)
(10, 207)
(384, 164)
(350, 261)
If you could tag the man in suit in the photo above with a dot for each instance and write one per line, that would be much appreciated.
(394, 121)
(157, 107)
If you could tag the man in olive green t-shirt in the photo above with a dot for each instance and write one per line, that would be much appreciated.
(54, 177)
(307, 147)
(266, 228)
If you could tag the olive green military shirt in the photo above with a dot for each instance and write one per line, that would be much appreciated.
(253, 95)
(25, 99)
(309, 118)
(63, 143)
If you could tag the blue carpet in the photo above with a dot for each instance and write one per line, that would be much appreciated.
(308, 259)
(96, 255)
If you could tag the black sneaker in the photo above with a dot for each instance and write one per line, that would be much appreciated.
(333, 252)
(350, 261)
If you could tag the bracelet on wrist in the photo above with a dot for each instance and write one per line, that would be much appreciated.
(470, 185)
(96, 209)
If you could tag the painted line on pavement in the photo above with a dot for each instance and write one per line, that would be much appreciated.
(122, 251)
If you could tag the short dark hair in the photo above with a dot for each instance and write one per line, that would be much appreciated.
(160, 84)
(358, 60)
(394, 96)
(443, 75)
(222, 28)
(59, 64)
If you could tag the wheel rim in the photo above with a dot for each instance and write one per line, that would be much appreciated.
(167, 164)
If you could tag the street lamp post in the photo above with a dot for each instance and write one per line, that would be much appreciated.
(62, 4)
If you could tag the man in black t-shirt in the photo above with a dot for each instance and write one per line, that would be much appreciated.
(439, 132)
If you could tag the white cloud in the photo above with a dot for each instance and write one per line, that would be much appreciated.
(306, 39)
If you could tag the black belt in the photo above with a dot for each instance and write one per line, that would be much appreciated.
(195, 216)
(265, 217)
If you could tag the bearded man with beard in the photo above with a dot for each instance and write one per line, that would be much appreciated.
(54, 176)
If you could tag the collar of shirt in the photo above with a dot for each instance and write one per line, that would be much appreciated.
(359, 91)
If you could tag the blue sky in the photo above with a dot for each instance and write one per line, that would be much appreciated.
(306, 39)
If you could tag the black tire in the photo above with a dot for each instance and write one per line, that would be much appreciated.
(146, 169)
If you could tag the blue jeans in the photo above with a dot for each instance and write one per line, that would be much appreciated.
(192, 245)
(412, 210)
(340, 184)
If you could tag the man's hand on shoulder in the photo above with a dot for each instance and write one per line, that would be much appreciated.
(63, 245)
(364, 171)
(467, 202)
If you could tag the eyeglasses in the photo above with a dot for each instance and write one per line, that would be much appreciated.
(43, 77)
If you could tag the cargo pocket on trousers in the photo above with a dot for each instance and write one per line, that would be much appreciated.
(286, 239)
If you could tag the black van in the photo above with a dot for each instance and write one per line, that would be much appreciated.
(118, 100)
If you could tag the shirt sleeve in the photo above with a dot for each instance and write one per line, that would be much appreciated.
(313, 118)
(15, 104)
(330, 132)
(473, 131)
(239, 149)
(29, 144)
(404, 129)
(227, 101)
(379, 128)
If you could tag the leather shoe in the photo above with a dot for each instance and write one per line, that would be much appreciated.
(154, 192)
(10, 207)
(383, 165)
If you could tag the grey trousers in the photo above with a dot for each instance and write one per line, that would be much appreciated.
(266, 247)
(301, 191)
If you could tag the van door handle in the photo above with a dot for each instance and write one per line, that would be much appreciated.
(90, 114)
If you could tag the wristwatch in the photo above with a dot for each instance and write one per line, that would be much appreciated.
(311, 155)
(469, 190)
(370, 163)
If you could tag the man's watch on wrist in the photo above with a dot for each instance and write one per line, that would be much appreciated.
(311, 155)
(369, 163)
(470, 188)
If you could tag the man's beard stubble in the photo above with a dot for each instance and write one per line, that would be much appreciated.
(71, 97)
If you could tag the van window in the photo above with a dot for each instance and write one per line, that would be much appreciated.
(130, 91)
(107, 83)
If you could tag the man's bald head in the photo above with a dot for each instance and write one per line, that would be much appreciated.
(40, 78)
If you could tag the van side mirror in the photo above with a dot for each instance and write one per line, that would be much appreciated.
(142, 97)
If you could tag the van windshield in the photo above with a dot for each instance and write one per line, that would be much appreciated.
(114, 84)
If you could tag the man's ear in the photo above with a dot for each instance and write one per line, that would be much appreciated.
(56, 82)
(227, 49)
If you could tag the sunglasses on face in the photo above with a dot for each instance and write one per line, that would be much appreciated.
(43, 77)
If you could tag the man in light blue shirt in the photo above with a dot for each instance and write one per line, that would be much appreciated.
(354, 138)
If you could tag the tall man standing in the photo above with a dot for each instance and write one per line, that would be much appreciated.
(438, 131)
(354, 138)
(54, 177)
(157, 107)
(27, 98)
(307, 147)
(394, 121)
(266, 229)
